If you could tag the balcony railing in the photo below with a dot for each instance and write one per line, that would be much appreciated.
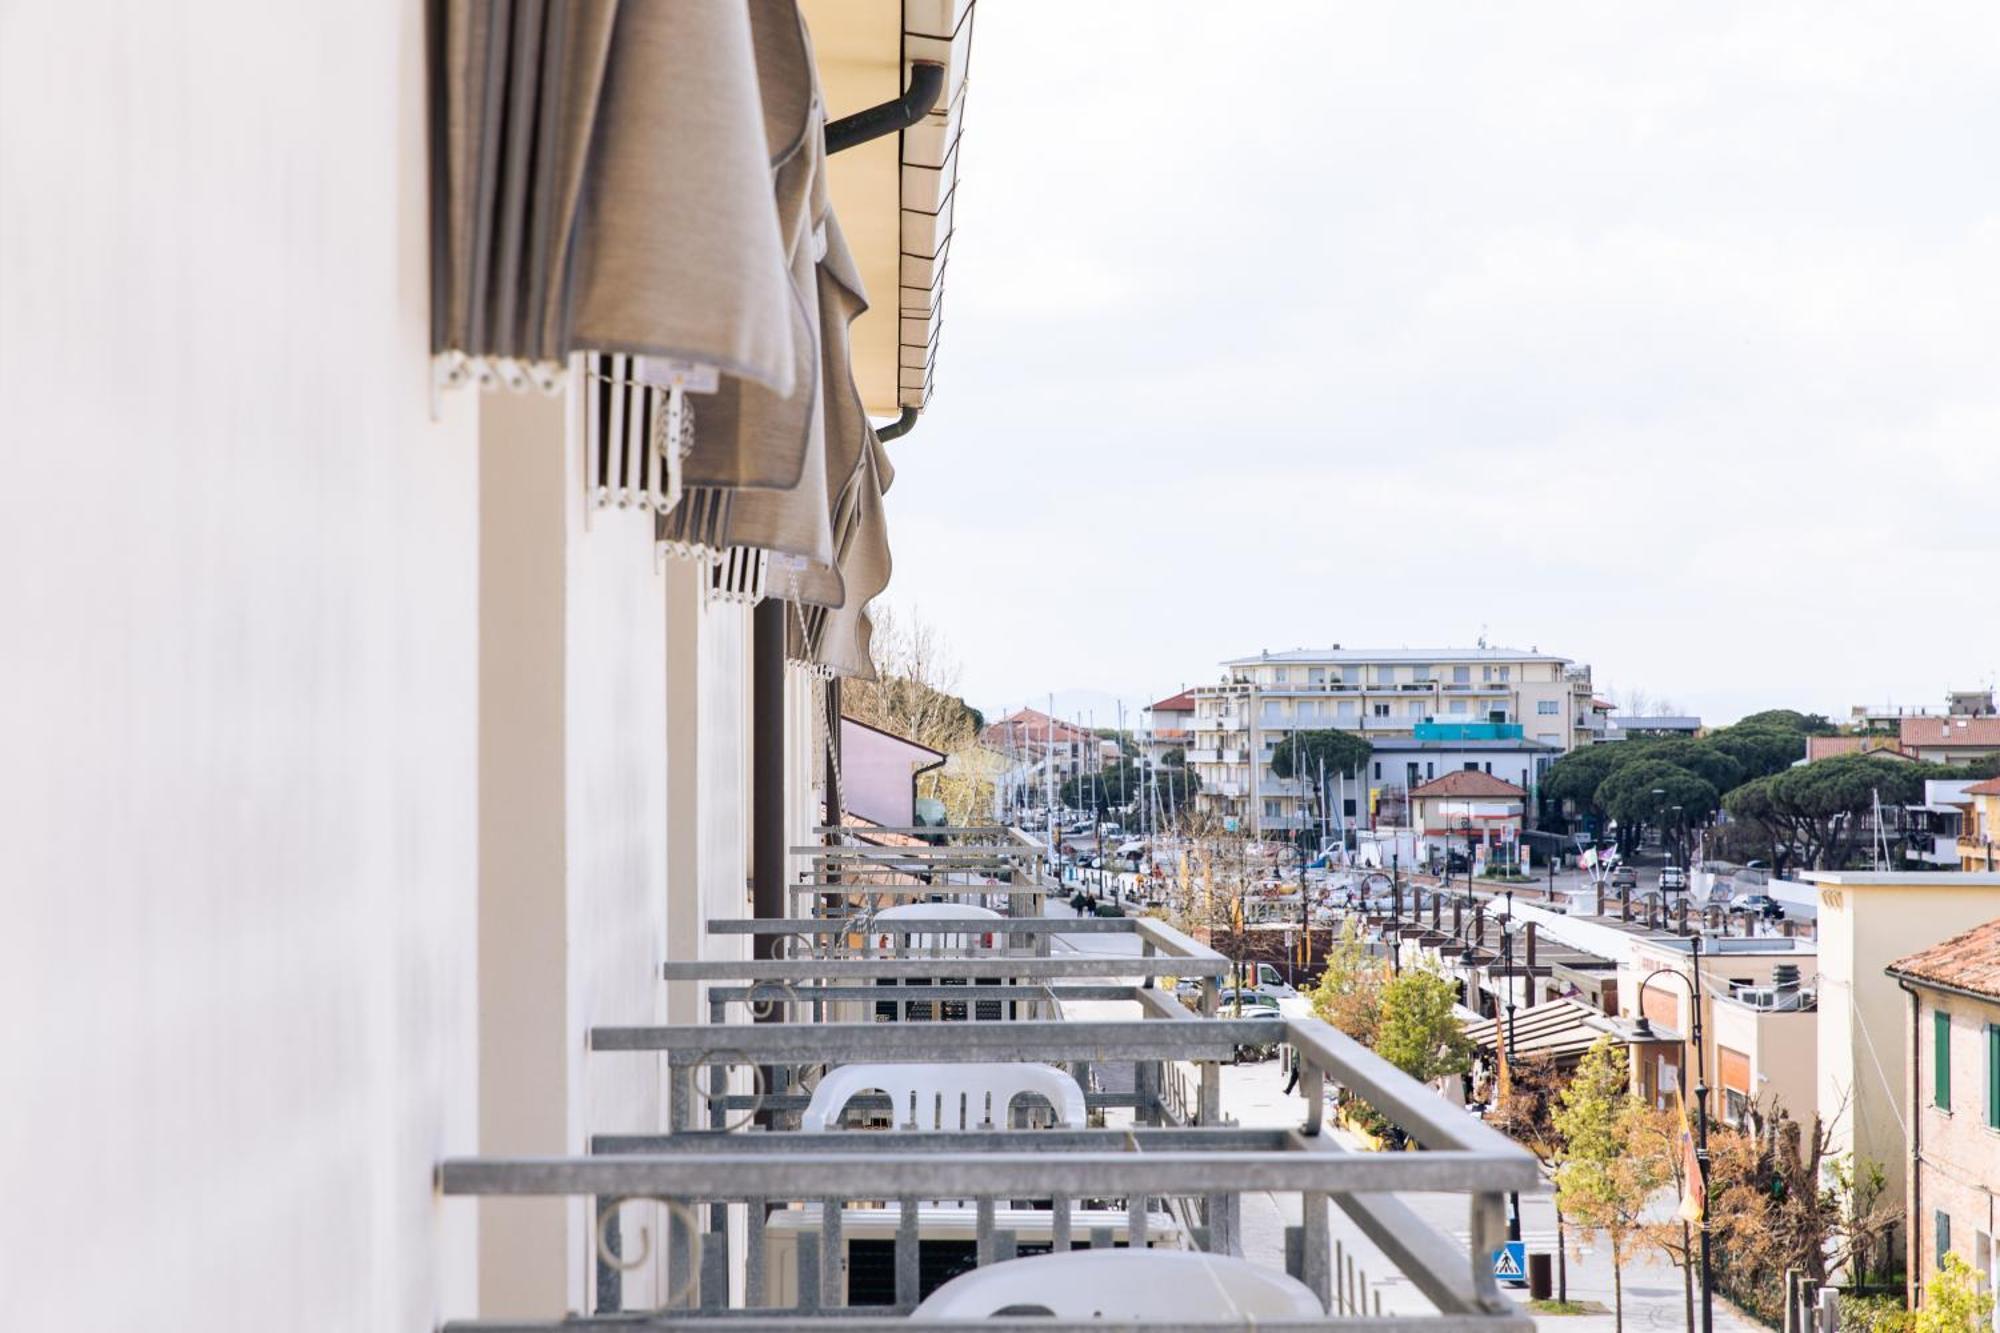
(762, 1225)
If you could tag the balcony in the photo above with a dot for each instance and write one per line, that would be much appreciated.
(1124, 1142)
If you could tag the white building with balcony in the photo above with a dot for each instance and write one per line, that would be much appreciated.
(1539, 705)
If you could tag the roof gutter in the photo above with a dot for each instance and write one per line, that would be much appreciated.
(891, 117)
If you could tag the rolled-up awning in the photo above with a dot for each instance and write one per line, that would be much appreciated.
(606, 186)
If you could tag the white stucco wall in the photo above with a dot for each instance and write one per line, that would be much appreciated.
(573, 835)
(237, 678)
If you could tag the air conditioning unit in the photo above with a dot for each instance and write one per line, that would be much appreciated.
(947, 1244)
(1775, 1000)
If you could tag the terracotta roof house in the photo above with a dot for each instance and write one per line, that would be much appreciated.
(1951, 740)
(1468, 809)
(1952, 1072)
(1470, 783)
(1826, 747)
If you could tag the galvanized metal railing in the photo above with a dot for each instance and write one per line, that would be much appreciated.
(703, 1180)
(735, 1194)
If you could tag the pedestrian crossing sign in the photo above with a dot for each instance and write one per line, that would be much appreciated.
(1510, 1261)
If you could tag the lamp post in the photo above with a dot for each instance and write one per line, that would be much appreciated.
(1642, 1027)
(1507, 966)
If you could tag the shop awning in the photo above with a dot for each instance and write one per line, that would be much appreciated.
(1563, 1029)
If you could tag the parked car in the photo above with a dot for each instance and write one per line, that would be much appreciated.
(1673, 879)
(1256, 1004)
(1761, 903)
(1624, 877)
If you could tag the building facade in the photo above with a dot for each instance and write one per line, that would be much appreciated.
(1952, 997)
(367, 750)
(1381, 695)
(1867, 921)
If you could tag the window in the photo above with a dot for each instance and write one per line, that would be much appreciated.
(1430, 770)
(1546, 708)
(1489, 766)
(1316, 676)
(1736, 1109)
(1385, 675)
(1348, 807)
(1279, 675)
(1270, 810)
(1378, 770)
(1506, 673)
(1345, 708)
(1941, 1059)
(1993, 1075)
(1941, 1227)
(1472, 765)
(1486, 673)
(1461, 675)
(1457, 706)
(1381, 710)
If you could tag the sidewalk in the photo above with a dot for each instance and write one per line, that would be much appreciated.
(1654, 1295)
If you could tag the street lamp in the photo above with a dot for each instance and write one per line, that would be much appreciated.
(1642, 1027)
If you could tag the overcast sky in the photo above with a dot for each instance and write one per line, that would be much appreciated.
(1665, 337)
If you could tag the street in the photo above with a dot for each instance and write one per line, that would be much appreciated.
(1253, 1095)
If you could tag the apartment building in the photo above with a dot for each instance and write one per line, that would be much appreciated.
(389, 696)
(1167, 725)
(1952, 1062)
(1867, 921)
(1539, 698)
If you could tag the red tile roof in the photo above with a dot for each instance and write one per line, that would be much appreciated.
(1982, 732)
(1179, 703)
(1826, 747)
(1990, 787)
(1969, 962)
(1027, 726)
(1468, 782)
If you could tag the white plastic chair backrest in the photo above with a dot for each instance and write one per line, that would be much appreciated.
(1123, 1285)
(936, 912)
(945, 1096)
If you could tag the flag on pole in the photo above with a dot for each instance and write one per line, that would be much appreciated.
(1694, 1201)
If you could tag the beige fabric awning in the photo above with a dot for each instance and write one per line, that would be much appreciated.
(605, 185)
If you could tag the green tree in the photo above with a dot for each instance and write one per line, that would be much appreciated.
(1348, 995)
(1815, 811)
(1576, 776)
(1419, 1032)
(1608, 1171)
(1790, 719)
(1646, 792)
(1717, 767)
(1304, 754)
(1760, 750)
(1953, 1302)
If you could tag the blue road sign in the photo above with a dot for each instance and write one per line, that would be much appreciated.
(1510, 1261)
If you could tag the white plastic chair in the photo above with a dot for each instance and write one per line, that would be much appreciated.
(1123, 1285)
(937, 912)
(945, 1096)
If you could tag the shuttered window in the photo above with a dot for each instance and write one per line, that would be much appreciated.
(1993, 1075)
(1941, 1059)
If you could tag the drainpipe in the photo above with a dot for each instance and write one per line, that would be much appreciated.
(835, 805)
(891, 117)
(767, 768)
(1911, 1248)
